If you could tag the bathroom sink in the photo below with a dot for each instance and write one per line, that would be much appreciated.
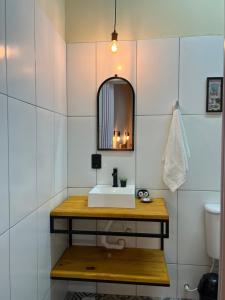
(108, 196)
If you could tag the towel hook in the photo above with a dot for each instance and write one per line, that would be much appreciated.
(176, 105)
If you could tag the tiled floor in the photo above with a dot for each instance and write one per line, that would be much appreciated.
(90, 296)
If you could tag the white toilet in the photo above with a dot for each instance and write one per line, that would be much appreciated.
(212, 225)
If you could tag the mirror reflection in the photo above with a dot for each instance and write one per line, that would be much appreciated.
(116, 115)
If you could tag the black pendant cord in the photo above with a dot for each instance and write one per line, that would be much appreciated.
(115, 17)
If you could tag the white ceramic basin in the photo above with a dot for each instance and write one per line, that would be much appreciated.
(108, 196)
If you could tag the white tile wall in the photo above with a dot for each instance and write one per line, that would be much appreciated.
(204, 136)
(116, 289)
(34, 146)
(44, 60)
(152, 291)
(171, 243)
(152, 132)
(81, 79)
(20, 49)
(191, 207)
(22, 159)
(79, 286)
(44, 250)
(23, 259)
(81, 144)
(123, 63)
(201, 57)
(60, 152)
(58, 241)
(4, 195)
(4, 270)
(45, 155)
(130, 242)
(59, 71)
(157, 75)
(2, 48)
(125, 162)
(158, 63)
(191, 275)
(58, 290)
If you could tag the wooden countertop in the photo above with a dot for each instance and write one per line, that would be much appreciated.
(133, 265)
(77, 206)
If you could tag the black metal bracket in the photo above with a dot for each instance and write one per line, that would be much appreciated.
(110, 281)
(164, 229)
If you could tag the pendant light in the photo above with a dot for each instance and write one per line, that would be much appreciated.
(114, 44)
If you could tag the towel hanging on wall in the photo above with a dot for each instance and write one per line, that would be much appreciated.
(176, 154)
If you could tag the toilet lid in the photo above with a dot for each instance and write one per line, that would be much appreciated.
(213, 208)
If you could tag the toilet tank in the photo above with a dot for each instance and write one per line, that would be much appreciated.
(212, 226)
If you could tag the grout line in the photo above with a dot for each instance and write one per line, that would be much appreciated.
(67, 121)
(151, 189)
(135, 135)
(36, 124)
(177, 277)
(37, 208)
(34, 105)
(179, 61)
(4, 232)
(147, 39)
(9, 196)
(96, 171)
(94, 116)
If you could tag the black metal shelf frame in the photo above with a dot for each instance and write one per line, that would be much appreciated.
(164, 228)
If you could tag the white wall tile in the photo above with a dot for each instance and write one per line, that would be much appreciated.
(116, 289)
(157, 75)
(44, 59)
(2, 48)
(171, 243)
(81, 79)
(204, 137)
(80, 239)
(20, 49)
(4, 195)
(45, 155)
(152, 133)
(48, 295)
(23, 259)
(22, 159)
(191, 226)
(124, 161)
(201, 57)
(79, 286)
(44, 250)
(191, 275)
(59, 242)
(59, 290)
(59, 71)
(60, 155)
(78, 191)
(81, 144)
(123, 63)
(153, 291)
(130, 242)
(4, 263)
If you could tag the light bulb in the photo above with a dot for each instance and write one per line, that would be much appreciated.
(114, 46)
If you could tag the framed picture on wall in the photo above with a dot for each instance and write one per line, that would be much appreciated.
(214, 98)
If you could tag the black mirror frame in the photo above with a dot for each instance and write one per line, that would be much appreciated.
(133, 117)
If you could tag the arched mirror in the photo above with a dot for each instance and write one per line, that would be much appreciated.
(115, 115)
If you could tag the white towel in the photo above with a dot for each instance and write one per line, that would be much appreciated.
(176, 154)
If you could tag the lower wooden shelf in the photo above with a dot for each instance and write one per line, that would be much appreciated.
(132, 265)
